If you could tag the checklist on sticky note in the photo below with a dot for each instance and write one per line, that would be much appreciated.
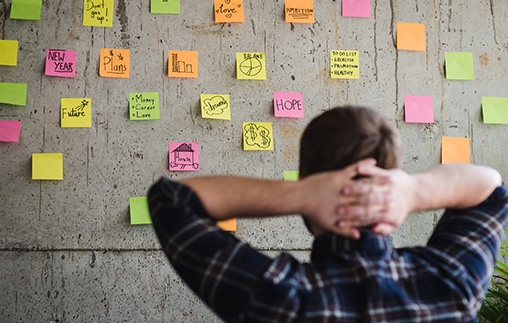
(344, 64)
(144, 106)
(299, 11)
(455, 150)
(9, 130)
(410, 36)
(165, 6)
(459, 66)
(418, 109)
(356, 8)
(47, 166)
(61, 63)
(227, 225)
(291, 175)
(495, 110)
(26, 9)
(183, 63)
(76, 113)
(9, 52)
(288, 104)
(13, 93)
(138, 209)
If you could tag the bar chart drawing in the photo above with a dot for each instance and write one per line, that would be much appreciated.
(180, 66)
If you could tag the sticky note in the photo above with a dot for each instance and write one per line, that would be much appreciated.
(257, 136)
(410, 36)
(299, 11)
(215, 106)
(495, 110)
(227, 225)
(114, 63)
(228, 10)
(251, 66)
(183, 156)
(455, 150)
(76, 113)
(61, 63)
(459, 66)
(13, 93)
(288, 104)
(144, 106)
(344, 64)
(291, 175)
(418, 109)
(138, 209)
(356, 8)
(9, 130)
(165, 6)
(47, 166)
(9, 52)
(98, 13)
(183, 63)
(26, 9)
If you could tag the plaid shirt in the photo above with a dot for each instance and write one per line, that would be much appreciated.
(365, 280)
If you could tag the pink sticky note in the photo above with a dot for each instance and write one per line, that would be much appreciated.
(61, 63)
(356, 8)
(288, 104)
(418, 109)
(9, 130)
(183, 156)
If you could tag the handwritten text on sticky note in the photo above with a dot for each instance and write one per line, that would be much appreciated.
(345, 64)
(299, 11)
(183, 156)
(138, 209)
(418, 109)
(356, 8)
(9, 130)
(257, 136)
(98, 13)
(76, 113)
(61, 63)
(13, 93)
(215, 106)
(47, 166)
(114, 63)
(251, 66)
(183, 63)
(455, 150)
(9, 52)
(288, 104)
(144, 106)
(228, 10)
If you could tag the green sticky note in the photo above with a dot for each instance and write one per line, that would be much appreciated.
(26, 9)
(290, 175)
(139, 210)
(165, 6)
(144, 106)
(495, 110)
(47, 166)
(13, 93)
(9, 52)
(459, 66)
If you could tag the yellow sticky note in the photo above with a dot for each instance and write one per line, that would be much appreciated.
(76, 113)
(98, 13)
(215, 106)
(9, 52)
(182, 63)
(410, 36)
(257, 136)
(455, 150)
(114, 63)
(228, 10)
(299, 11)
(345, 64)
(227, 225)
(47, 166)
(250, 66)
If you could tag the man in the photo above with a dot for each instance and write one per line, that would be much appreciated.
(349, 204)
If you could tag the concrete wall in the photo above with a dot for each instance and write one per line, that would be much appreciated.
(67, 250)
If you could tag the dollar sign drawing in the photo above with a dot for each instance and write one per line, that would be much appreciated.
(252, 132)
(266, 140)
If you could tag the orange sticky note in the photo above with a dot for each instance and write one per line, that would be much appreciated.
(227, 225)
(299, 11)
(410, 36)
(115, 63)
(182, 63)
(228, 10)
(455, 150)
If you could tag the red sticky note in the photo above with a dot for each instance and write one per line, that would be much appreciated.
(356, 8)
(183, 156)
(61, 63)
(9, 130)
(418, 109)
(288, 104)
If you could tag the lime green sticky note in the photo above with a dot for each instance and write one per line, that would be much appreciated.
(459, 66)
(495, 110)
(144, 106)
(291, 175)
(165, 6)
(250, 66)
(26, 9)
(9, 52)
(139, 210)
(76, 113)
(47, 166)
(13, 93)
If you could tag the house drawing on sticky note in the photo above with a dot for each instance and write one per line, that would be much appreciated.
(183, 156)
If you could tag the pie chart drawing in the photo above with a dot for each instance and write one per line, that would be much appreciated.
(251, 66)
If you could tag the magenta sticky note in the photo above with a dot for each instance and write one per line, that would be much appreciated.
(418, 109)
(183, 156)
(9, 130)
(61, 63)
(356, 8)
(288, 104)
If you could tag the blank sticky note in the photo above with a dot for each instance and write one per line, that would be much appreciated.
(288, 104)
(257, 136)
(183, 63)
(114, 63)
(9, 130)
(299, 11)
(410, 36)
(459, 66)
(344, 64)
(13, 93)
(26, 9)
(144, 106)
(356, 8)
(76, 113)
(227, 225)
(250, 66)
(47, 166)
(61, 63)
(228, 10)
(165, 6)
(495, 110)
(9, 52)
(215, 106)
(183, 156)
(138, 209)
(418, 109)
(98, 13)
(455, 150)
(291, 175)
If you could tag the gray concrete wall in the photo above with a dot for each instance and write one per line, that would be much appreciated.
(67, 251)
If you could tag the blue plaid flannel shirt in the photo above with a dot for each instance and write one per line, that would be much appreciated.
(366, 280)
